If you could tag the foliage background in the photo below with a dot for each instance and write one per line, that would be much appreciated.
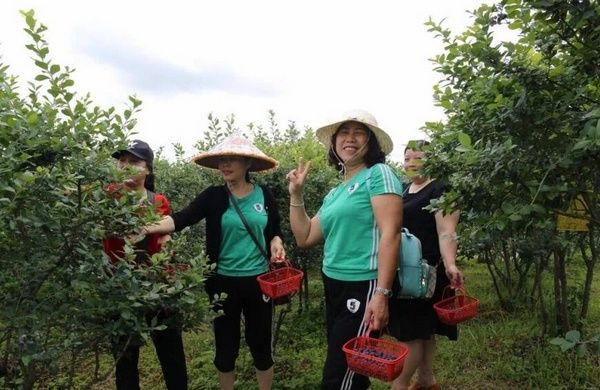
(520, 142)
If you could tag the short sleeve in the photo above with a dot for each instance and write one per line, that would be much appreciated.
(384, 180)
(438, 189)
(162, 205)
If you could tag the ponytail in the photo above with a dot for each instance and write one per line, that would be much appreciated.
(149, 181)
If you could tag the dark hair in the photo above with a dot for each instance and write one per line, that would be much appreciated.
(149, 181)
(247, 177)
(417, 144)
(373, 156)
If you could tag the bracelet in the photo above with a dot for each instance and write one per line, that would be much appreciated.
(449, 236)
(386, 292)
(301, 204)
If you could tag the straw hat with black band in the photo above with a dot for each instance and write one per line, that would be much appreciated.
(325, 133)
(236, 146)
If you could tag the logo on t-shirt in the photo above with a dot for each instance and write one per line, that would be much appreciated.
(266, 298)
(353, 305)
(353, 188)
(258, 207)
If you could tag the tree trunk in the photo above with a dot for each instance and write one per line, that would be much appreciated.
(590, 263)
(488, 262)
(560, 290)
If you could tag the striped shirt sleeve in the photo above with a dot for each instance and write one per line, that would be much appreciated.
(384, 180)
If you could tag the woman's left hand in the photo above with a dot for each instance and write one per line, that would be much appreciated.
(277, 250)
(376, 314)
(455, 276)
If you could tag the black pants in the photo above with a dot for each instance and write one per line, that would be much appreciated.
(169, 348)
(243, 297)
(345, 308)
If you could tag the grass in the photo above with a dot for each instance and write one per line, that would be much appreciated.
(495, 350)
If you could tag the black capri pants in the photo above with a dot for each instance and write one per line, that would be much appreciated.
(243, 296)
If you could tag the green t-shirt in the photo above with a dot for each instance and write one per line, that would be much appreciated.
(239, 255)
(349, 227)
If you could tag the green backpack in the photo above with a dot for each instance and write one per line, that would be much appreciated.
(415, 277)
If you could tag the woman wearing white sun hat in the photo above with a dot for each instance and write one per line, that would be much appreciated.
(360, 223)
(238, 257)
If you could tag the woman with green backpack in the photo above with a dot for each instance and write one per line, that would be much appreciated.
(414, 321)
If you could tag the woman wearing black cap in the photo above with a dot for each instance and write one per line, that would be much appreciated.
(167, 342)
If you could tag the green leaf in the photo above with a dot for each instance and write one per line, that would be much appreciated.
(26, 359)
(464, 139)
(557, 341)
(515, 25)
(507, 207)
(32, 118)
(582, 144)
(41, 64)
(566, 345)
(573, 335)
(54, 68)
(30, 20)
(41, 77)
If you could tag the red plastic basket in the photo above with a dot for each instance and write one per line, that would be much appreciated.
(281, 281)
(377, 358)
(456, 309)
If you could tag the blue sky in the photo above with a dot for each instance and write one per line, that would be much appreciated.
(308, 61)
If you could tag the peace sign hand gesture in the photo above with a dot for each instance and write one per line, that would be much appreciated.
(297, 177)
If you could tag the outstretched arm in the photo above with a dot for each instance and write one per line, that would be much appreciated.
(165, 226)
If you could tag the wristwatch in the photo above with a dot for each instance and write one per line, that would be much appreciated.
(386, 292)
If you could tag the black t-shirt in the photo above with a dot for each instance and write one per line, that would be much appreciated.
(421, 222)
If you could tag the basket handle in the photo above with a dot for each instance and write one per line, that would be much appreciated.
(273, 265)
(456, 289)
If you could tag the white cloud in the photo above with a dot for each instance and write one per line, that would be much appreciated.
(306, 60)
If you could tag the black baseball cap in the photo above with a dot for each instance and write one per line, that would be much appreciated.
(139, 149)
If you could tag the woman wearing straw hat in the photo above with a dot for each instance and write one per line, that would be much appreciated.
(229, 243)
(359, 222)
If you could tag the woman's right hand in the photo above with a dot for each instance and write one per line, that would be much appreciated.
(297, 177)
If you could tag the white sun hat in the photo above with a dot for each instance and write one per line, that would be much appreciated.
(238, 146)
(361, 116)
